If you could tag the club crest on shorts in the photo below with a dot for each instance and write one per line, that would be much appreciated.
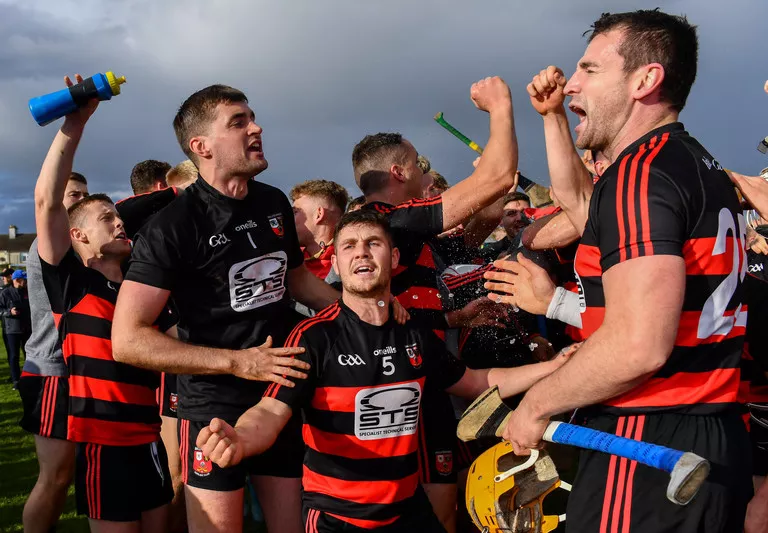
(414, 355)
(444, 462)
(276, 223)
(201, 465)
(174, 401)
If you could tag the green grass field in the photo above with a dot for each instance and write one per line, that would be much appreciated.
(18, 464)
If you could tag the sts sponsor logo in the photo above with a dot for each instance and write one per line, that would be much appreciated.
(414, 355)
(387, 411)
(202, 466)
(257, 282)
(276, 223)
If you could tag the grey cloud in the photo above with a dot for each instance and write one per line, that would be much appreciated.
(321, 75)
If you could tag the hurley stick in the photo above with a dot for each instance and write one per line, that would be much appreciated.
(488, 415)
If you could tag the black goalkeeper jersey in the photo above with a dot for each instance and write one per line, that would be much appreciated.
(666, 195)
(361, 407)
(225, 263)
(135, 211)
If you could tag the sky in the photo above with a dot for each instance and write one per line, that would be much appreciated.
(320, 75)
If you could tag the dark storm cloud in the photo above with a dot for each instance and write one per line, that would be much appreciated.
(321, 75)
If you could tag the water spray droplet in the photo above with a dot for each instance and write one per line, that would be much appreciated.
(380, 303)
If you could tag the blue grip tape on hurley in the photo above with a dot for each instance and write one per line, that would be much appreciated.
(642, 452)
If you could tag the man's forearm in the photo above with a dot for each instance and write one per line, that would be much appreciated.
(513, 381)
(311, 291)
(257, 430)
(482, 224)
(604, 367)
(54, 174)
(146, 347)
(552, 231)
(493, 177)
(570, 179)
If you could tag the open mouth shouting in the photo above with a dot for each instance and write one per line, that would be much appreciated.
(579, 111)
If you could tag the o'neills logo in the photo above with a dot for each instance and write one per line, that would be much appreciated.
(385, 351)
(248, 225)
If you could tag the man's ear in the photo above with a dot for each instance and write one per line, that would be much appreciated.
(647, 81)
(395, 258)
(320, 215)
(397, 172)
(199, 146)
(78, 235)
(335, 265)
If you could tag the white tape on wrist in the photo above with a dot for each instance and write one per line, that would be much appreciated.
(565, 307)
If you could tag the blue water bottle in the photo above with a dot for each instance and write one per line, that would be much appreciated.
(49, 107)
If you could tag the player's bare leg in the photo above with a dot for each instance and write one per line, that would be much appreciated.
(46, 501)
(107, 526)
(280, 499)
(156, 520)
(211, 511)
(442, 496)
(169, 434)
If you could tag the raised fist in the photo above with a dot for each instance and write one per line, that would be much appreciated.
(546, 91)
(491, 94)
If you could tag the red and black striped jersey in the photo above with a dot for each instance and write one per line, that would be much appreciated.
(361, 409)
(110, 403)
(755, 361)
(666, 195)
(415, 281)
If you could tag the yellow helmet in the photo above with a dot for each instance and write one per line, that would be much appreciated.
(505, 492)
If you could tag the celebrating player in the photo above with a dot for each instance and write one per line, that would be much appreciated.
(122, 481)
(227, 253)
(661, 264)
(361, 401)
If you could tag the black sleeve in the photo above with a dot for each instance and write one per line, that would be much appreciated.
(5, 306)
(64, 275)
(292, 248)
(157, 256)
(300, 395)
(166, 320)
(423, 216)
(443, 369)
(639, 216)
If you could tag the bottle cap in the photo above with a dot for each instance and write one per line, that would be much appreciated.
(114, 82)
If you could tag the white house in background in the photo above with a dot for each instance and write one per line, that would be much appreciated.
(14, 247)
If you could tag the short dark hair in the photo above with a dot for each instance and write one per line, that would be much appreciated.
(76, 211)
(199, 110)
(371, 158)
(652, 36)
(76, 176)
(145, 174)
(364, 217)
(328, 190)
(515, 197)
(356, 203)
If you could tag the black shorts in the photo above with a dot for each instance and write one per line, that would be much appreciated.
(758, 435)
(612, 494)
(46, 405)
(118, 483)
(438, 445)
(284, 459)
(167, 396)
(419, 517)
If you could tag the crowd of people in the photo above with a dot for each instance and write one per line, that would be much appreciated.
(207, 334)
